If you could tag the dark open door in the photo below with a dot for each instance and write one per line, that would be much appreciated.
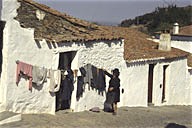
(164, 82)
(150, 83)
(63, 96)
(2, 25)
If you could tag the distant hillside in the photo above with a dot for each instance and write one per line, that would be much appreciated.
(161, 19)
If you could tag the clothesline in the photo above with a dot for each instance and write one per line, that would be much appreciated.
(38, 75)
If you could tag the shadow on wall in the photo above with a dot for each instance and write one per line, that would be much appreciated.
(190, 71)
(148, 61)
(93, 77)
(174, 125)
(88, 44)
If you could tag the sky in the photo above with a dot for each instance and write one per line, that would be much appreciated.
(109, 11)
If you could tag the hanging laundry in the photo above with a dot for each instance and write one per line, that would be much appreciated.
(94, 80)
(70, 75)
(80, 87)
(67, 88)
(55, 80)
(98, 81)
(39, 75)
(24, 69)
(101, 83)
(88, 76)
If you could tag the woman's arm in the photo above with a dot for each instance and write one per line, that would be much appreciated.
(108, 74)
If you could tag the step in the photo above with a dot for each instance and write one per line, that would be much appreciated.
(150, 104)
(8, 117)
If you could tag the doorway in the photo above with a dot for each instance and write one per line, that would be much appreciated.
(164, 83)
(150, 83)
(65, 59)
(2, 25)
(63, 96)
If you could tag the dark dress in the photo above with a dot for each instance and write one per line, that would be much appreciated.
(114, 95)
(66, 90)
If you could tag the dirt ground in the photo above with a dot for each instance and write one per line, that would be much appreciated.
(127, 117)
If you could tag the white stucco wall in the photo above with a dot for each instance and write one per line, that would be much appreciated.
(180, 91)
(177, 89)
(183, 45)
(107, 55)
(8, 7)
(19, 44)
(157, 81)
(189, 77)
(135, 84)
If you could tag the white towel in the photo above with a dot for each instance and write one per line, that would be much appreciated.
(55, 80)
(39, 75)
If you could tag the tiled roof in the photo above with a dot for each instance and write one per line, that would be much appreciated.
(61, 27)
(57, 26)
(187, 30)
(138, 47)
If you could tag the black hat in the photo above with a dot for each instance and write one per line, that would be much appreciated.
(116, 71)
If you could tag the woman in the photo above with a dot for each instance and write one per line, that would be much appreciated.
(113, 96)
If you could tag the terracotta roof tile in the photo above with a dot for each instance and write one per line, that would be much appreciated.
(137, 47)
(187, 30)
(61, 27)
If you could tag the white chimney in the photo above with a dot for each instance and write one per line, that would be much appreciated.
(165, 42)
(176, 28)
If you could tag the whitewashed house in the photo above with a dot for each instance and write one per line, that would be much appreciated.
(181, 38)
(40, 36)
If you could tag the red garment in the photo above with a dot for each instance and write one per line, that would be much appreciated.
(25, 69)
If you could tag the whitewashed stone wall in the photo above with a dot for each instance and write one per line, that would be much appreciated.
(157, 82)
(179, 91)
(7, 13)
(179, 85)
(106, 55)
(183, 45)
(189, 77)
(19, 44)
(134, 81)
